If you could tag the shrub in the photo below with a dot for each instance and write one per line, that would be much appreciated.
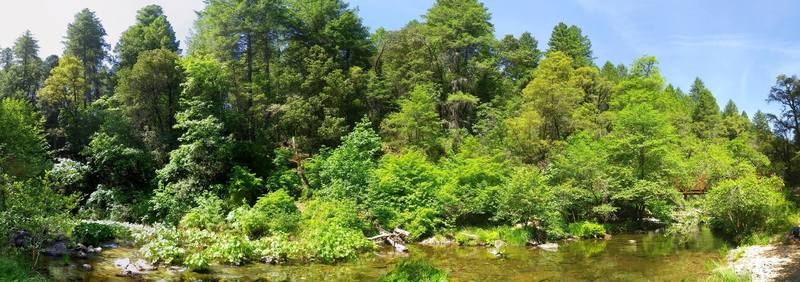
(243, 186)
(273, 213)
(231, 249)
(400, 188)
(197, 262)
(274, 249)
(208, 213)
(741, 207)
(415, 270)
(92, 234)
(526, 199)
(161, 245)
(14, 269)
(514, 236)
(586, 229)
(329, 243)
(340, 212)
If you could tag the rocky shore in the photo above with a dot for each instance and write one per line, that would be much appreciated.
(775, 262)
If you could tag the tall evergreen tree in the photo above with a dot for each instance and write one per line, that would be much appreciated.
(85, 41)
(25, 75)
(151, 31)
(570, 41)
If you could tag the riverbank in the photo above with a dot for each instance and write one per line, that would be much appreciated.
(774, 262)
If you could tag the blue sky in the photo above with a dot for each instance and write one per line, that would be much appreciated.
(736, 47)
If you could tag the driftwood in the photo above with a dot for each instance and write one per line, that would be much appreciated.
(396, 238)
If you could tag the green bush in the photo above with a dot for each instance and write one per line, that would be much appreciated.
(329, 243)
(197, 262)
(514, 236)
(243, 186)
(231, 249)
(586, 229)
(741, 207)
(401, 187)
(208, 214)
(275, 249)
(92, 234)
(161, 245)
(339, 212)
(527, 199)
(273, 213)
(413, 270)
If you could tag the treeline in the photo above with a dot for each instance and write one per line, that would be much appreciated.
(433, 127)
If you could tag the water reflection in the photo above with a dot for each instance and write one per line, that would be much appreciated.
(634, 257)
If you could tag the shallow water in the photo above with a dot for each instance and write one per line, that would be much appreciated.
(650, 257)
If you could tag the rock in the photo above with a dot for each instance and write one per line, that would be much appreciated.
(59, 249)
(632, 241)
(499, 248)
(122, 263)
(532, 243)
(144, 266)
(21, 239)
(437, 241)
(110, 245)
(79, 254)
(550, 247)
(607, 237)
(86, 267)
(177, 268)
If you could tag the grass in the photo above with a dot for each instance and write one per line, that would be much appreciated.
(15, 269)
(724, 273)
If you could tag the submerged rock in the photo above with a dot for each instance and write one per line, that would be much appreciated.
(550, 247)
(437, 241)
(86, 267)
(144, 266)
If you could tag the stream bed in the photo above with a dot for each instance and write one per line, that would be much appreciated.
(625, 257)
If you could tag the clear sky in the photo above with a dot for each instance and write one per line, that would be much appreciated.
(736, 47)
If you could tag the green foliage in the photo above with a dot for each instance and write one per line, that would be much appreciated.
(34, 207)
(15, 269)
(151, 31)
(739, 208)
(472, 189)
(243, 186)
(197, 262)
(416, 125)
(342, 213)
(527, 199)
(570, 41)
(404, 189)
(409, 270)
(344, 172)
(586, 229)
(231, 249)
(92, 234)
(272, 213)
(329, 243)
(208, 214)
(22, 145)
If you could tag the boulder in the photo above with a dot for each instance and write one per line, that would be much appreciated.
(21, 239)
(59, 249)
(144, 266)
(86, 267)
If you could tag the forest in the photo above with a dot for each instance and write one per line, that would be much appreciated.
(288, 132)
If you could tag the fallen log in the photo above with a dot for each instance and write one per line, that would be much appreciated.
(395, 238)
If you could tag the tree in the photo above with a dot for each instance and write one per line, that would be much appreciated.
(200, 161)
(85, 41)
(416, 124)
(786, 92)
(554, 94)
(148, 93)
(741, 207)
(570, 41)
(151, 31)
(65, 88)
(461, 31)
(706, 115)
(23, 150)
(519, 57)
(25, 73)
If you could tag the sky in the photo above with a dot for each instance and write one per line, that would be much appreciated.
(736, 47)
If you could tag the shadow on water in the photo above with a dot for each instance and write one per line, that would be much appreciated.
(626, 257)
